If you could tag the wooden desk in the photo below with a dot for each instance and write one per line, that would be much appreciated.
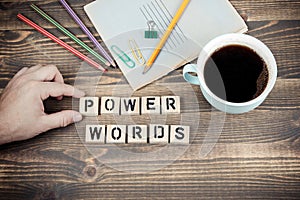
(257, 155)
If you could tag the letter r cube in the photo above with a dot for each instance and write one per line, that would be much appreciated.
(170, 104)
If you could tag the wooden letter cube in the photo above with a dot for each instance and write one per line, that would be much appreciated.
(180, 135)
(89, 106)
(170, 104)
(110, 105)
(116, 134)
(95, 134)
(159, 134)
(150, 105)
(130, 106)
(137, 134)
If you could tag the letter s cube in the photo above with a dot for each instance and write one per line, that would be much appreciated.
(180, 135)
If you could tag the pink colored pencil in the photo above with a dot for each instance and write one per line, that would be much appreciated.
(61, 43)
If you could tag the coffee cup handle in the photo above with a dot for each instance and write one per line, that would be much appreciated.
(190, 68)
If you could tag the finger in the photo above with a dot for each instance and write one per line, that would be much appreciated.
(18, 74)
(58, 89)
(47, 73)
(60, 119)
(25, 71)
(22, 71)
(34, 68)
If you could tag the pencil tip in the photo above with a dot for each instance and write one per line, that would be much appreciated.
(146, 69)
(107, 64)
(114, 64)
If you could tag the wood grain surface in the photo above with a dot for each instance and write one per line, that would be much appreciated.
(257, 155)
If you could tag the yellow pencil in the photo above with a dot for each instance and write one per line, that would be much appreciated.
(166, 35)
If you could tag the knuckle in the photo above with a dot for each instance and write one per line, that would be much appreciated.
(31, 85)
(64, 122)
(52, 68)
(52, 72)
(21, 79)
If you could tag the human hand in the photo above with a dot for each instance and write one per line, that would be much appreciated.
(22, 113)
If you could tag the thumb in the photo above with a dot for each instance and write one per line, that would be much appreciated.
(61, 119)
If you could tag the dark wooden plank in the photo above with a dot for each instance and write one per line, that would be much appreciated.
(260, 10)
(249, 171)
(264, 10)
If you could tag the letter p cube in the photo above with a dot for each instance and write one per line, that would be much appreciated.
(89, 106)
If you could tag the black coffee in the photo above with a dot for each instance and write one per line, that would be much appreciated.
(236, 74)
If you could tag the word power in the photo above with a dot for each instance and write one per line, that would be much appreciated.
(93, 106)
(122, 134)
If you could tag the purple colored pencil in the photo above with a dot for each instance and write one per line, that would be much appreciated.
(86, 30)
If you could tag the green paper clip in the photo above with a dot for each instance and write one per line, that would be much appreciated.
(123, 56)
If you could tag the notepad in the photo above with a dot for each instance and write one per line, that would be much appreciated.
(119, 22)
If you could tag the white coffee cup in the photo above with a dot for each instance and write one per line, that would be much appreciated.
(228, 40)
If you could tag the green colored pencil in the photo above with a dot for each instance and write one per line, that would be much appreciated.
(68, 33)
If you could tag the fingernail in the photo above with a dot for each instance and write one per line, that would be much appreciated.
(79, 93)
(77, 117)
(60, 98)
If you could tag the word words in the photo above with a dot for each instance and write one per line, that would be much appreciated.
(122, 134)
(91, 106)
